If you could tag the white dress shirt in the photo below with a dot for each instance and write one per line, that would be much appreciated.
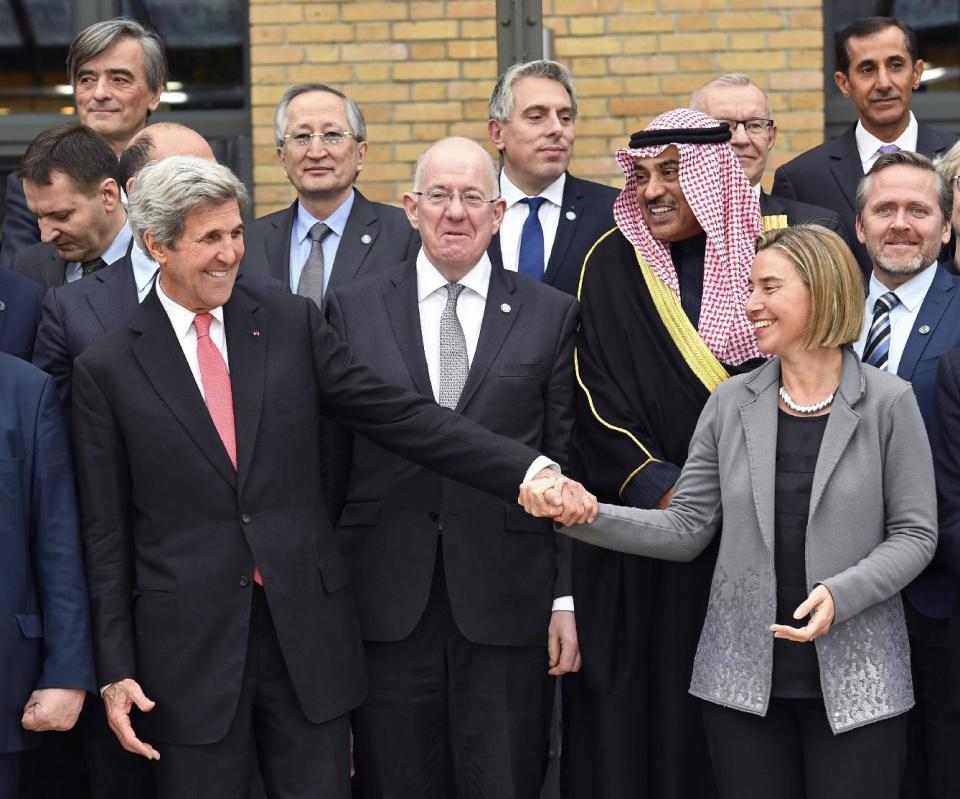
(869, 145)
(301, 243)
(182, 321)
(431, 300)
(114, 252)
(903, 316)
(517, 213)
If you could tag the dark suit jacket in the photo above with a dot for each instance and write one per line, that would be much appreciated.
(503, 568)
(933, 592)
(591, 205)
(20, 300)
(945, 443)
(799, 213)
(171, 531)
(390, 241)
(42, 264)
(77, 314)
(829, 174)
(20, 228)
(45, 635)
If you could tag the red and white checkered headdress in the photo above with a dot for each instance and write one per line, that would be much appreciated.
(725, 205)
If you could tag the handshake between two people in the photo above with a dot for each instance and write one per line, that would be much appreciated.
(552, 495)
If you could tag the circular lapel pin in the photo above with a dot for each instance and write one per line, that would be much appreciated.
(506, 307)
(366, 238)
(3, 305)
(571, 215)
(924, 329)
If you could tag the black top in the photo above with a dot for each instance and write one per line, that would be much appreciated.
(687, 258)
(796, 674)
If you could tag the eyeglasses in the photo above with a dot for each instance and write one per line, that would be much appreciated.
(444, 198)
(752, 127)
(304, 140)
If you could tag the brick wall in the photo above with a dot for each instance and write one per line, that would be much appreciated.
(424, 69)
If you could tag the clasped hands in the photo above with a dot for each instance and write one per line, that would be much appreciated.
(552, 495)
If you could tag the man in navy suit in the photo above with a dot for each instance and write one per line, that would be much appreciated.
(877, 64)
(20, 300)
(45, 639)
(903, 219)
(322, 147)
(552, 218)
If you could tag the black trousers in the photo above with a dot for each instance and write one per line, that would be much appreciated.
(297, 758)
(447, 718)
(9, 769)
(934, 733)
(792, 753)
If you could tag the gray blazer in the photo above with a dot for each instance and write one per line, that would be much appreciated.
(872, 529)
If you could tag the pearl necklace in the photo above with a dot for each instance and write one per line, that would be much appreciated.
(805, 409)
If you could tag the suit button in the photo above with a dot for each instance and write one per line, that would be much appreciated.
(244, 581)
(246, 518)
(433, 515)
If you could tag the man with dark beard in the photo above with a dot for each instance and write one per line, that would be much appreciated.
(912, 317)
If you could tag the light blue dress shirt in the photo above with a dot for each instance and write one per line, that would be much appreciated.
(116, 251)
(300, 242)
(144, 271)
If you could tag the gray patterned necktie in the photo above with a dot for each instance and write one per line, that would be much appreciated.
(453, 351)
(311, 277)
(89, 267)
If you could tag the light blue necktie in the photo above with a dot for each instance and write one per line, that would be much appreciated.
(530, 262)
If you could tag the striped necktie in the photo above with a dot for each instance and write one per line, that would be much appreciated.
(877, 349)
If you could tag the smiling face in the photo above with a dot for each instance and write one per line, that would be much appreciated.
(199, 269)
(778, 304)
(537, 140)
(662, 203)
(742, 103)
(881, 80)
(901, 225)
(455, 235)
(321, 171)
(112, 95)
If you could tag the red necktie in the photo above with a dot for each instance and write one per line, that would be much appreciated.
(217, 392)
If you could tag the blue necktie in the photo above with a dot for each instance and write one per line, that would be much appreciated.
(530, 262)
(877, 349)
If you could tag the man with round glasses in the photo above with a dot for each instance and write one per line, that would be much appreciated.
(331, 233)
(745, 107)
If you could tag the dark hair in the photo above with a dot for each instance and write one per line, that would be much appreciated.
(134, 158)
(100, 36)
(80, 153)
(868, 27)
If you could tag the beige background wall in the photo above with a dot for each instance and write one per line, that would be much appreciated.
(423, 69)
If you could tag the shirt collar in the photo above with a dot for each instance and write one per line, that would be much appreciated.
(757, 189)
(553, 193)
(910, 294)
(430, 280)
(337, 221)
(182, 318)
(144, 267)
(868, 144)
(118, 247)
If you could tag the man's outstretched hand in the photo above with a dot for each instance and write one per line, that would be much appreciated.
(552, 495)
(119, 697)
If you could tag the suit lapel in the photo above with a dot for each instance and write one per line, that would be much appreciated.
(401, 303)
(759, 417)
(929, 142)
(571, 210)
(160, 356)
(276, 243)
(497, 322)
(359, 234)
(246, 348)
(845, 165)
(115, 296)
(934, 304)
(53, 271)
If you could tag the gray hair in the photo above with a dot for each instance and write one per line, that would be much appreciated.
(425, 155)
(100, 36)
(358, 127)
(501, 101)
(167, 191)
(907, 158)
(730, 79)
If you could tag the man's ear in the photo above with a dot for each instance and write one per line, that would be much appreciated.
(154, 248)
(495, 129)
(840, 78)
(410, 206)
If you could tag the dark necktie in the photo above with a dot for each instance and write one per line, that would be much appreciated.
(530, 262)
(877, 348)
(89, 267)
(311, 276)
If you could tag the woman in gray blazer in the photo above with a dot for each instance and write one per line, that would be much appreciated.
(816, 470)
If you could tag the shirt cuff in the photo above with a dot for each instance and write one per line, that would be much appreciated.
(542, 462)
(562, 603)
(648, 485)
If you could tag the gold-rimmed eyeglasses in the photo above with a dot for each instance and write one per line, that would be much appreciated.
(331, 138)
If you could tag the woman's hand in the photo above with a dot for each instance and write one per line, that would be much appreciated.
(819, 607)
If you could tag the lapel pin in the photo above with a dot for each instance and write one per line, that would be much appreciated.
(366, 238)
(506, 307)
(3, 305)
(571, 215)
(254, 332)
(924, 329)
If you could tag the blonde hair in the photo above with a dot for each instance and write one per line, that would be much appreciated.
(830, 272)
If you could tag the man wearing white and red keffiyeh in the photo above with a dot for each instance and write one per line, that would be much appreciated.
(662, 306)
